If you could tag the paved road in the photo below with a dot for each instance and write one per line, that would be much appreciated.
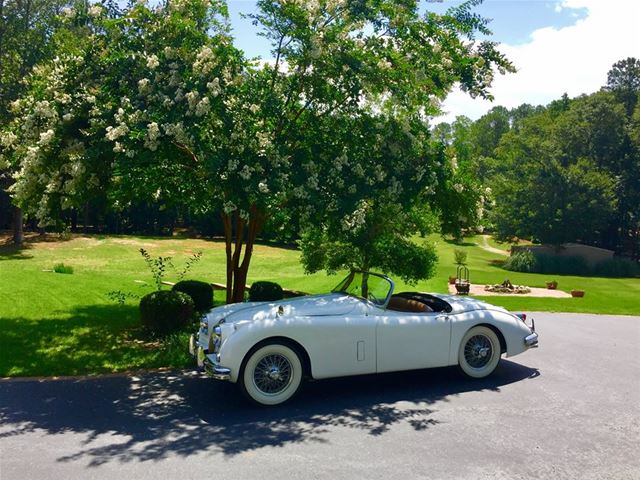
(570, 409)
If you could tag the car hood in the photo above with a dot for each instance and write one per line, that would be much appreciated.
(307, 306)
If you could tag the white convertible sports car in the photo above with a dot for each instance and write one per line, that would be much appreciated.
(361, 327)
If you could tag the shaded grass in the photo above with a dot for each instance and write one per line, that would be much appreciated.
(65, 324)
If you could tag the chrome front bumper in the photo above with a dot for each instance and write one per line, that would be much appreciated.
(210, 367)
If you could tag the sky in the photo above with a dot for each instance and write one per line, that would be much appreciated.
(557, 46)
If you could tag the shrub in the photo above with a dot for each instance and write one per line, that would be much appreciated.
(617, 267)
(460, 256)
(165, 311)
(524, 261)
(200, 292)
(62, 268)
(265, 291)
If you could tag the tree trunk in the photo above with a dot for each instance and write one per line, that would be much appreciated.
(85, 218)
(18, 232)
(234, 235)
(226, 222)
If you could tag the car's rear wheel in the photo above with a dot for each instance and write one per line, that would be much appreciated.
(479, 352)
(272, 374)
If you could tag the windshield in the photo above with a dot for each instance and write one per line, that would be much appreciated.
(370, 286)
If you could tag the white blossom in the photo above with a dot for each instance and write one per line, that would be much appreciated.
(151, 138)
(46, 137)
(176, 131)
(144, 86)
(203, 107)
(263, 187)
(214, 86)
(384, 64)
(95, 10)
(168, 53)
(7, 139)
(205, 61)
(229, 207)
(192, 99)
(113, 133)
(68, 12)
(357, 218)
(458, 187)
(245, 173)
(153, 62)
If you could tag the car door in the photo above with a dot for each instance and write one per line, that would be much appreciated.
(338, 345)
(406, 341)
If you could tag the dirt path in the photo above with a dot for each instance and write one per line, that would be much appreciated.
(485, 246)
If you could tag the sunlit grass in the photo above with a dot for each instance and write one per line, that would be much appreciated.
(52, 324)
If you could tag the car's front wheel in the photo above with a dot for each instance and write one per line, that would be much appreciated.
(272, 374)
(479, 352)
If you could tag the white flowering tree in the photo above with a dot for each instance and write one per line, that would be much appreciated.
(394, 181)
(25, 34)
(158, 104)
(117, 114)
(364, 77)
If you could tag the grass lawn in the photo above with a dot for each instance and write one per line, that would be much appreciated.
(60, 324)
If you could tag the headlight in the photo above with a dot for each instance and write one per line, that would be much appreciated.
(204, 326)
(215, 340)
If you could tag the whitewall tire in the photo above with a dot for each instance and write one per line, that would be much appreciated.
(272, 374)
(479, 352)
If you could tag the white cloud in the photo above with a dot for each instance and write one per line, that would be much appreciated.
(573, 59)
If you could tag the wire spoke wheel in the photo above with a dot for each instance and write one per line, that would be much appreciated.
(479, 352)
(272, 374)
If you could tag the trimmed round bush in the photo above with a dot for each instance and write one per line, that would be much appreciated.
(165, 311)
(200, 292)
(265, 292)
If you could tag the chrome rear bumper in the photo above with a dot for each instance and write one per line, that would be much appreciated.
(210, 367)
(531, 341)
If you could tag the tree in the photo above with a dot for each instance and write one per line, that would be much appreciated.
(624, 81)
(375, 197)
(544, 194)
(26, 28)
(334, 61)
(180, 115)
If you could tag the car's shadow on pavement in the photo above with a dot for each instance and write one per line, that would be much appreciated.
(154, 415)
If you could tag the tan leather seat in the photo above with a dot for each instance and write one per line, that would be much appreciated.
(400, 304)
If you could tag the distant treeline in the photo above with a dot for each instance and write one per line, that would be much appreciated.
(565, 172)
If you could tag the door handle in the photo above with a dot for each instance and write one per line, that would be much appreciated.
(442, 317)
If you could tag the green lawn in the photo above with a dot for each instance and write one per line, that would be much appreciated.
(56, 324)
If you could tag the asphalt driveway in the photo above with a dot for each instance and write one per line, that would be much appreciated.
(570, 409)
